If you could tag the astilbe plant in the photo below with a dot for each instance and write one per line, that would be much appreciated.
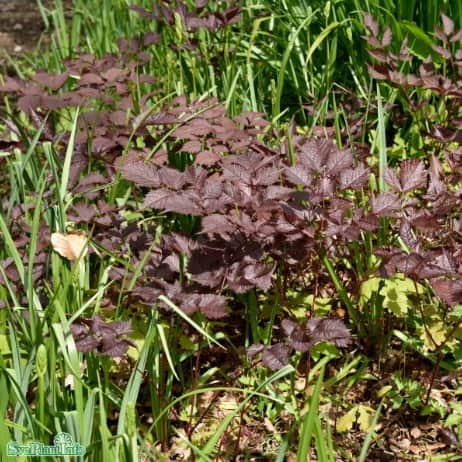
(265, 215)
(104, 337)
(257, 211)
(428, 222)
(191, 18)
(430, 88)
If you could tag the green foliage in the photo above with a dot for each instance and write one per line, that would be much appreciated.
(396, 294)
(188, 378)
(405, 391)
(361, 415)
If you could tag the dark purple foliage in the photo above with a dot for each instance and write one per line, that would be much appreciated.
(237, 213)
(301, 337)
(105, 338)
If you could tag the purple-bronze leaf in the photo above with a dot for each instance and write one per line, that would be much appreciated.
(385, 204)
(386, 37)
(52, 81)
(298, 337)
(413, 175)
(157, 199)
(185, 203)
(171, 178)
(211, 305)
(288, 326)
(115, 348)
(254, 349)
(87, 344)
(151, 38)
(81, 213)
(298, 175)
(216, 223)
(104, 337)
(371, 24)
(354, 178)
(448, 25)
(329, 330)
(448, 290)
(275, 357)
(392, 179)
(338, 161)
(266, 176)
(141, 173)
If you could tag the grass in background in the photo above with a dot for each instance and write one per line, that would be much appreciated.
(299, 63)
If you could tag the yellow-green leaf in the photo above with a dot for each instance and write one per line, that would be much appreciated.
(347, 421)
(396, 292)
(365, 417)
(383, 391)
(436, 331)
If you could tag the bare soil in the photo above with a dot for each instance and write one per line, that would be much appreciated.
(21, 26)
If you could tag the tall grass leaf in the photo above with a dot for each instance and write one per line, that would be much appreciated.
(367, 441)
(166, 348)
(5, 435)
(140, 266)
(15, 306)
(89, 418)
(309, 422)
(15, 352)
(231, 89)
(320, 441)
(420, 44)
(284, 62)
(92, 300)
(203, 457)
(71, 425)
(329, 442)
(34, 301)
(407, 9)
(134, 383)
(43, 14)
(249, 74)
(11, 249)
(69, 350)
(281, 454)
(209, 448)
(196, 326)
(60, 26)
(382, 141)
(60, 211)
(320, 38)
(22, 410)
(68, 158)
(352, 310)
(102, 427)
(30, 158)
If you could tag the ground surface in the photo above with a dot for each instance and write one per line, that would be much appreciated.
(21, 26)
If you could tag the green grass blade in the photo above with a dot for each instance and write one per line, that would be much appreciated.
(382, 141)
(209, 448)
(196, 326)
(68, 158)
(134, 383)
(284, 62)
(166, 348)
(309, 422)
(370, 433)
